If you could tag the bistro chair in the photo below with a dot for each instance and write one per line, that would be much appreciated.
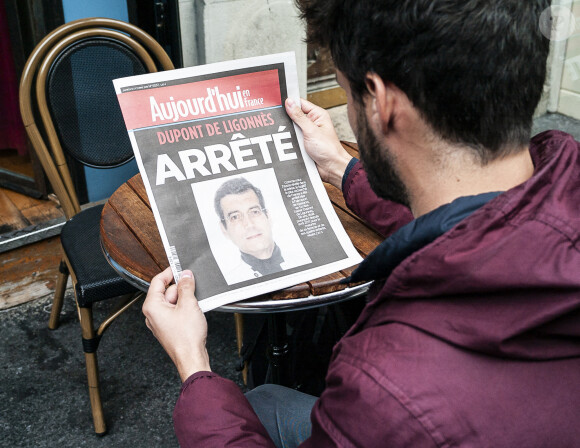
(70, 111)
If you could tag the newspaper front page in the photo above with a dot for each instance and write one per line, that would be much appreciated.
(236, 198)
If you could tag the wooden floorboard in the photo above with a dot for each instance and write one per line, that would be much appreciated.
(29, 272)
(35, 211)
(10, 217)
(18, 211)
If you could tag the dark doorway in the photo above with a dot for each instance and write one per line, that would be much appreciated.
(23, 23)
(159, 18)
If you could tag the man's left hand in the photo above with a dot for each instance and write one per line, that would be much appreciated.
(173, 314)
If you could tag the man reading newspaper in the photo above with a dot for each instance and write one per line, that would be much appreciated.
(471, 333)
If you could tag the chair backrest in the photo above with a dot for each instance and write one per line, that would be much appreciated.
(68, 103)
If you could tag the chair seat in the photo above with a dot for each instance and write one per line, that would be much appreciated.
(96, 279)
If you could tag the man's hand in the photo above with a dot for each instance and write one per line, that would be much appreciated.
(173, 315)
(320, 140)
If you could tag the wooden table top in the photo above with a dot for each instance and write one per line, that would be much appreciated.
(130, 237)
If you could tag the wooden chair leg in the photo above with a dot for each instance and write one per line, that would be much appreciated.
(239, 320)
(90, 342)
(58, 300)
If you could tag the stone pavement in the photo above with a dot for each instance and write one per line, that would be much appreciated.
(44, 399)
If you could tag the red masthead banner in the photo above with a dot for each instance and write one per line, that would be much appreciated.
(201, 99)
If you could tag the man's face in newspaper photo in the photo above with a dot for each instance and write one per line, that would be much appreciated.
(247, 224)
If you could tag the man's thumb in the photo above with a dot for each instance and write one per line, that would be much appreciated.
(186, 292)
(297, 115)
(186, 285)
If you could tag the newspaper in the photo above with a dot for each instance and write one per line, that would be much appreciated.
(236, 198)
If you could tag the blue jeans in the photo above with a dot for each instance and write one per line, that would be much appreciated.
(284, 412)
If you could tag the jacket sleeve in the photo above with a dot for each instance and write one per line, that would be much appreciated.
(383, 215)
(360, 408)
(212, 411)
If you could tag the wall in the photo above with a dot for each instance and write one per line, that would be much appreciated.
(80, 9)
(569, 98)
(219, 30)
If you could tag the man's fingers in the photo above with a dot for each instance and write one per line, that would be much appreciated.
(307, 106)
(297, 115)
(161, 281)
(156, 293)
(171, 294)
(293, 109)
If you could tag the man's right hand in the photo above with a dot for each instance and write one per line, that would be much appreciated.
(320, 140)
(173, 314)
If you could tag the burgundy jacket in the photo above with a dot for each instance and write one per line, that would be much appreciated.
(472, 340)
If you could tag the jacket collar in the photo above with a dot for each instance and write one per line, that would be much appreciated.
(264, 267)
(413, 236)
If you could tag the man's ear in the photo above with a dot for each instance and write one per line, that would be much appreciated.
(224, 230)
(383, 98)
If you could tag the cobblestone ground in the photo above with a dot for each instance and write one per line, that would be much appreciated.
(44, 399)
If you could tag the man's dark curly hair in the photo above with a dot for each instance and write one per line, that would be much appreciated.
(474, 69)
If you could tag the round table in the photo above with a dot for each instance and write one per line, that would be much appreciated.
(132, 245)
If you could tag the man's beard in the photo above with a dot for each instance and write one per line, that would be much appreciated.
(379, 164)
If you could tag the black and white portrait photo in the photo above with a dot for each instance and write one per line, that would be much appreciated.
(249, 230)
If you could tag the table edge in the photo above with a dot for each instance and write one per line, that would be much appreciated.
(259, 306)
